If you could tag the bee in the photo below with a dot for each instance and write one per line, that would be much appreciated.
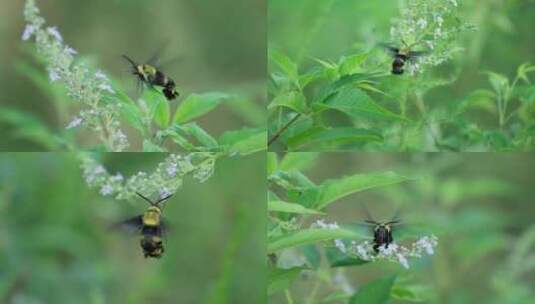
(401, 56)
(151, 227)
(152, 76)
(382, 233)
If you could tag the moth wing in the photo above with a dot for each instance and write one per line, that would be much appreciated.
(131, 225)
(392, 50)
(413, 55)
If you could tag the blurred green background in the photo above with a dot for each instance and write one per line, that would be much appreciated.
(56, 246)
(480, 205)
(215, 46)
(307, 29)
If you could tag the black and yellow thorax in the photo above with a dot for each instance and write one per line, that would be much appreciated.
(152, 217)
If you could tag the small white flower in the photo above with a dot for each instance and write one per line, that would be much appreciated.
(70, 51)
(422, 23)
(323, 225)
(53, 75)
(53, 31)
(28, 32)
(454, 2)
(340, 245)
(101, 76)
(106, 87)
(402, 260)
(172, 169)
(439, 20)
(164, 192)
(75, 122)
(107, 189)
(99, 169)
(117, 178)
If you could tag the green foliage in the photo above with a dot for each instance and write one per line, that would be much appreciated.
(352, 102)
(292, 201)
(462, 200)
(376, 292)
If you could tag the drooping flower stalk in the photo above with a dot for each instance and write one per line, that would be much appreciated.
(92, 89)
(165, 180)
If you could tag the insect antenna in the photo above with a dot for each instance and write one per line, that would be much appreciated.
(163, 199)
(132, 62)
(148, 200)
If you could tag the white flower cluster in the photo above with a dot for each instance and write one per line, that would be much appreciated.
(330, 226)
(91, 89)
(165, 180)
(324, 225)
(429, 25)
(394, 252)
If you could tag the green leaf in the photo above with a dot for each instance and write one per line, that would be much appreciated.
(281, 206)
(309, 236)
(148, 146)
(298, 161)
(28, 127)
(244, 141)
(356, 103)
(292, 100)
(280, 279)
(205, 139)
(333, 88)
(409, 293)
(334, 189)
(523, 71)
(272, 163)
(478, 99)
(158, 107)
(339, 259)
(499, 82)
(287, 66)
(352, 64)
(196, 105)
(133, 116)
(334, 137)
(376, 292)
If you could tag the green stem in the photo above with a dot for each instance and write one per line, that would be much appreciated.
(288, 296)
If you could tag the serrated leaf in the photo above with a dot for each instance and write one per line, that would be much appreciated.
(309, 236)
(352, 64)
(356, 103)
(196, 105)
(285, 64)
(376, 292)
(334, 189)
(292, 100)
(280, 279)
(244, 141)
(282, 206)
(334, 137)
